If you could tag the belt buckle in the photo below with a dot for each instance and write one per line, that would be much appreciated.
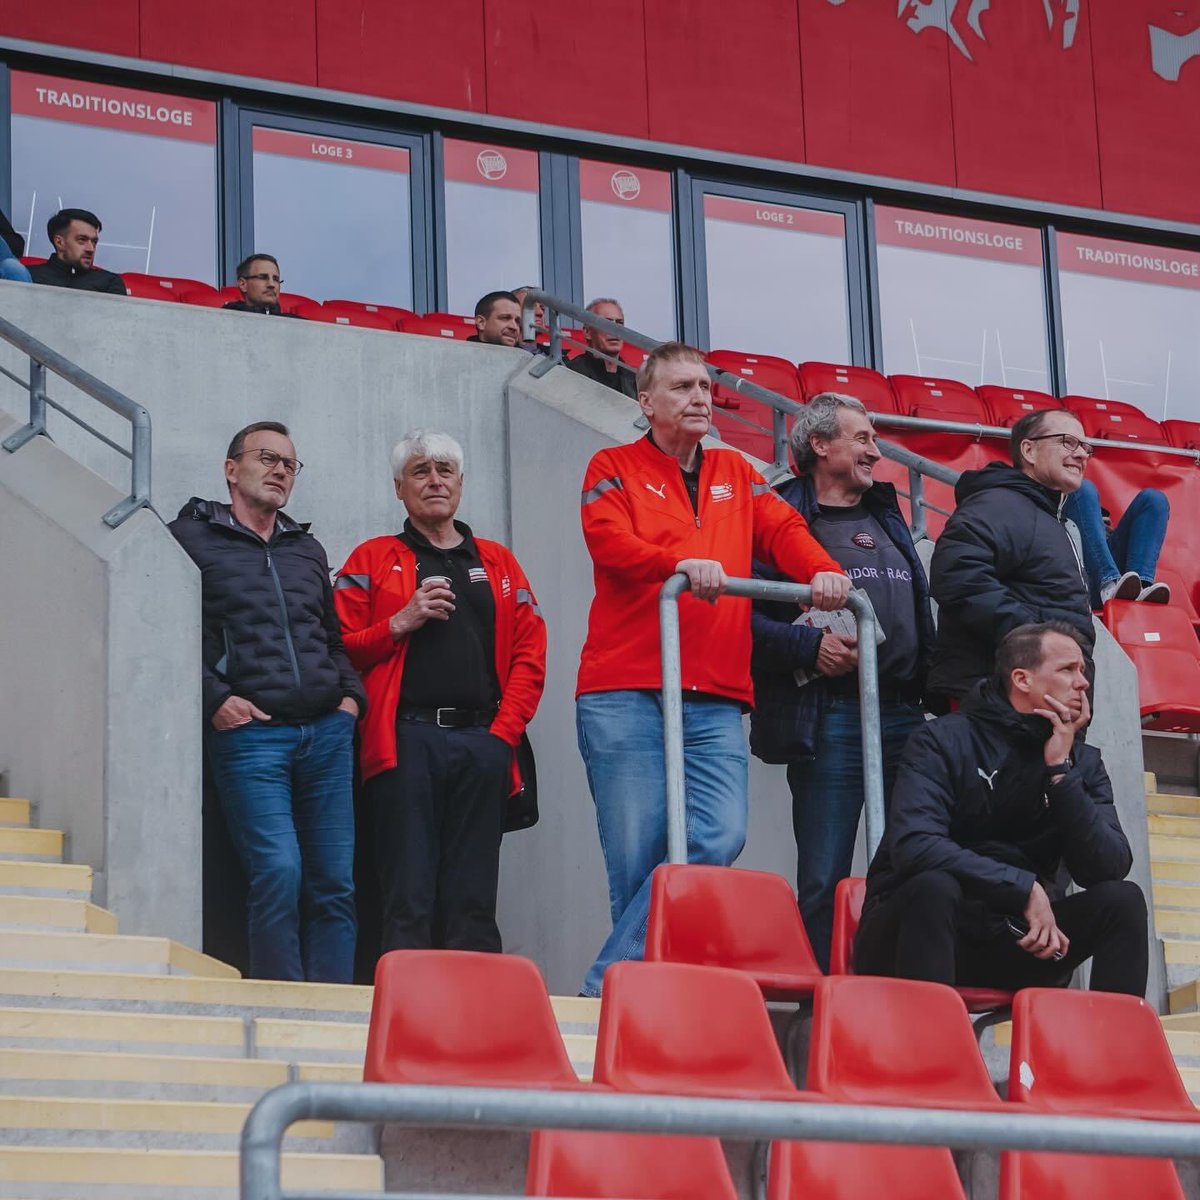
(437, 717)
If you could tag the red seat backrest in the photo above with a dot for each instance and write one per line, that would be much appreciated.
(451, 319)
(848, 899)
(1168, 688)
(467, 1018)
(637, 1166)
(1093, 1053)
(1151, 626)
(1114, 420)
(774, 374)
(687, 1031)
(1184, 435)
(389, 312)
(837, 1171)
(698, 915)
(895, 1041)
(1008, 405)
(345, 316)
(1094, 1176)
(150, 287)
(435, 326)
(865, 385)
(939, 399)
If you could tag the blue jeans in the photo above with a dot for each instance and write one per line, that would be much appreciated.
(827, 799)
(286, 791)
(1133, 545)
(15, 270)
(621, 740)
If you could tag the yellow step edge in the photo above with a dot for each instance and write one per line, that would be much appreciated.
(1184, 999)
(1178, 951)
(329, 1072)
(80, 1066)
(181, 1168)
(149, 1116)
(1169, 805)
(1162, 869)
(58, 911)
(70, 949)
(184, 989)
(278, 1034)
(68, 877)
(1176, 895)
(1184, 1043)
(45, 842)
(576, 1009)
(1179, 921)
(1149, 780)
(90, 1025)
(14, 811)
(1171, 846)
(1174, 825)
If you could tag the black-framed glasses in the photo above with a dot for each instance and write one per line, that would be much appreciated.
(270, 459)
(1070, 443)
(263, 277)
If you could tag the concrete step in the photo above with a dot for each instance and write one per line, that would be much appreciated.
(31, 845)
(66, 1173)
(107, 952)
(1184, 998)
(1174, 847)
(14, 811)
(146, 1124)
(1176, 895)
(1174, 870)
(1182, 922)
(43, 912)
(317, 1041)
(122, 1032)
(1165, 804)
(68, 880)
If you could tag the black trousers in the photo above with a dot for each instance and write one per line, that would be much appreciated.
(438, 818)
(914, 934)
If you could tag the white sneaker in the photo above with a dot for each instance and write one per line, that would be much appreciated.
(1127, 587)
(1156, 593)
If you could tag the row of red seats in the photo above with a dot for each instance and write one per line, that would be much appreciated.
(1161, 641)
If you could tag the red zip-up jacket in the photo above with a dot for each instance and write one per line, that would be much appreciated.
(638, 523)
(378, 580)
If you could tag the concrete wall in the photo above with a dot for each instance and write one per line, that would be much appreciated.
(99, 648)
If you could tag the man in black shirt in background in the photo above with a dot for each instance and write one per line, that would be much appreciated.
(815, 728)
(605, 370)
(75, 233)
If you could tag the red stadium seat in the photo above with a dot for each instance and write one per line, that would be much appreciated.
(939, 400)
(1184, 435)
(458, 1017)
(345, 316)
(1180, 591)
(435, 326)
(685, 1030)
(1112, 420)
(1168, 689)
(288, 301)
(1151, 626)
(635, 1166)
(863, 384)
(451, 319)
(1008, 405)
(1086, 1177)
(848, 900)
(896, 1041)
(206, 298)
(837, 1171)
(389, 312)
(31, 260)
(1093, 1054)
(698, 915)
(774, 374)
(150, 287)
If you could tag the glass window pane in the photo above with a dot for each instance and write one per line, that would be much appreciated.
(776, 280)
(143, 162)
(336, 213)
(1130, 316)
(629, 243)
(493, 239)
(962, 299)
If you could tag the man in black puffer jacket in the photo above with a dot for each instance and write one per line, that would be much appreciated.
(280, 704)
(991, 806)
(1005, 558)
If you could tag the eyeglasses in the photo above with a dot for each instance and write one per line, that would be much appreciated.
(270, 459)
(263, 277)
(1071, 444)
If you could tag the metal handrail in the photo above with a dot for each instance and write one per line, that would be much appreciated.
(742, 1120)
(43, 359)
(672, 700)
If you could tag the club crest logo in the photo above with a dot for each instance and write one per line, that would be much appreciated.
(721, 491)
(626, 185)
(491, 164)
(864, 541)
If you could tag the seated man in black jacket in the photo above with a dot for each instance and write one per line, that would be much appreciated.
(280, 702)
(990, 806)
(75, 233)
(259, 282)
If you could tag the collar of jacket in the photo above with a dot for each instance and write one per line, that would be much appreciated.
(411, 534)
(801, 494)
(218, 513)
(1005, 475)
(986, 704)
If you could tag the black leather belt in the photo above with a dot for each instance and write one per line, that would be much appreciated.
(448, 718)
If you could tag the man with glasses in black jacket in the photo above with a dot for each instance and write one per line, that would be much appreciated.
(259, 282)
(280, 705)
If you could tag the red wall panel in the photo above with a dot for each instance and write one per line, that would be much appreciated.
(269, 39)
(876, 92)
(587, 71)
(1149, 125)
(1024, 105)
(111, 28)
(725, 76)
(430, 53)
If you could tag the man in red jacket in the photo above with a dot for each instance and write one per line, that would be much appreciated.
(661, 505)
(447, 635)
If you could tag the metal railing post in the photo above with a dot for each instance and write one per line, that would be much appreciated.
(37, 409)
(916, 503)
(779, 434)
(555, 334)
(672, 700)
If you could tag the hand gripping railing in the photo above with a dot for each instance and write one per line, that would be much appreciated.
(43, 359)
(672, 700)
(742, 1120)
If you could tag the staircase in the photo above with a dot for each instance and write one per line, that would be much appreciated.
(128, 1064)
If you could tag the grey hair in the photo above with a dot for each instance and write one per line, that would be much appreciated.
(604, 300)
(425, 443)
(819, 418)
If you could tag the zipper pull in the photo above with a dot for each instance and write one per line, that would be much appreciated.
(268, 557)
(697, 520)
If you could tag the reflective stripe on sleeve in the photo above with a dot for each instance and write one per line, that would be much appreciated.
(759, 489)
(349, 581)
(605, 485)
(524, 596)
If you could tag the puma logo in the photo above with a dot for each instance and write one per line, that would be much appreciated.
(988, 779)
(660, 491)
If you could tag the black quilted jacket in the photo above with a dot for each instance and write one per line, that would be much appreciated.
(271, 634)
